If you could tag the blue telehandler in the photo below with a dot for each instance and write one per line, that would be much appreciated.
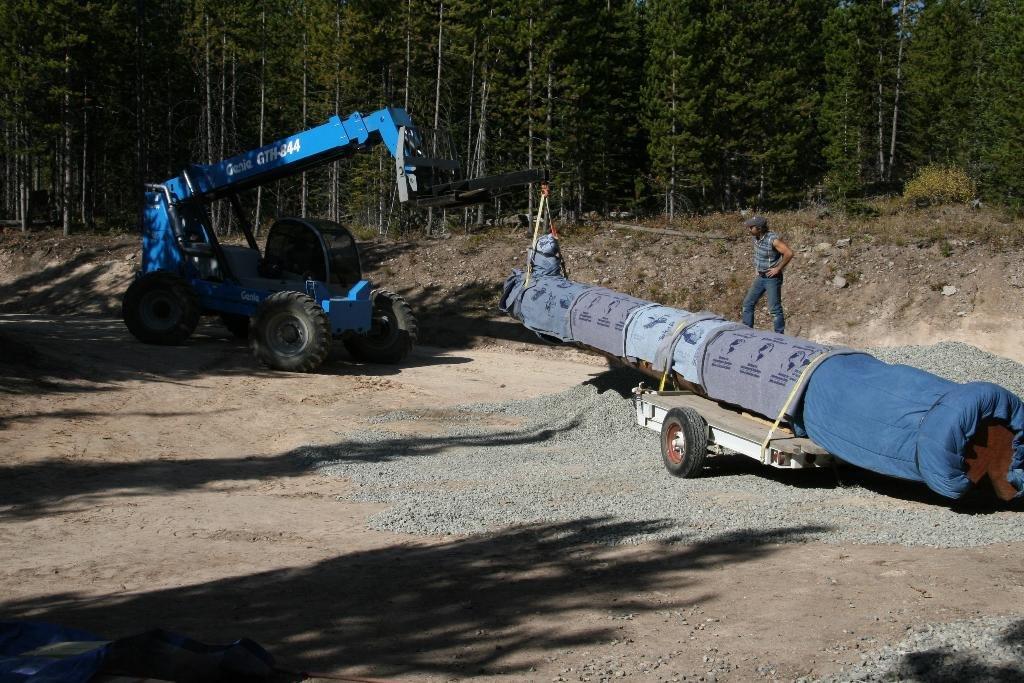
(306, 288)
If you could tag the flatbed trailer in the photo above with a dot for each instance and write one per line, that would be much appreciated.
(692, 427)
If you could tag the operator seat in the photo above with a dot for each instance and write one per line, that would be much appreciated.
(294, 252)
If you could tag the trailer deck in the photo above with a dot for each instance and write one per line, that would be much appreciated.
(727, 430)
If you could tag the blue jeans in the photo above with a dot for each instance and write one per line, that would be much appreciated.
(765, 285)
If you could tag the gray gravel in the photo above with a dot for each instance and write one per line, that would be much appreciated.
(958, 362)
(987, 649)
(579, 454)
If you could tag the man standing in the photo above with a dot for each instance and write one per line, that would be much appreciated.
(771, 255)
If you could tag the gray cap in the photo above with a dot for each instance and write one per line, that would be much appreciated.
(756, 222)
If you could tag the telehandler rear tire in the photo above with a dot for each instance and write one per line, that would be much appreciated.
(392, 335)
(290, 332)
(160, 308)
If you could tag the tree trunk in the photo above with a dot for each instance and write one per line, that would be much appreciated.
(263, 102)
(223, 125)
(469, 132)
(548, 117)
(896, 95)
(408, 48)
(481, 140)
(881, 117)
(305, 52)
(65, 199)
(335, 209)
(671, 199)
(23, 180)
(140, 109)
(86, 214)
(437, 100)
(529, 115)
(209, 97)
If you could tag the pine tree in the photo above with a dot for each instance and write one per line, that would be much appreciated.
(1001, 145)
(675, 102)
(858, 37)
(942, 84)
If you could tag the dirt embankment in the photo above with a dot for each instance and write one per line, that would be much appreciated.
(928, 276)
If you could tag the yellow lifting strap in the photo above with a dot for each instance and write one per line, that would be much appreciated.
(804, 374)
(536, 232)
(668, 365)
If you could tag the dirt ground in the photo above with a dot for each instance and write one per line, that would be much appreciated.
(146, 486)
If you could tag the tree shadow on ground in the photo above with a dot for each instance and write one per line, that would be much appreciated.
(45, 355)
(36, 489)
(69, 286)
(465, 315)
(945, 665)
(497, 604)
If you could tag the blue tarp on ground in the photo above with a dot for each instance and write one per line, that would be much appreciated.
(155, 654)
(904, 422)
(19, 637)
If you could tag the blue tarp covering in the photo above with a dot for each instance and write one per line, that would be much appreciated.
(891, 419)
(905, 422)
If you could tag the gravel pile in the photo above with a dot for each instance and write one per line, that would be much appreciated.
(958, 362)
(988, 649)
(579, 454)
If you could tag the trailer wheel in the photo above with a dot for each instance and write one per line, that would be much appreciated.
(290, 332)
(392, 335)
(684, 442)
(160, 308)
(236, 324)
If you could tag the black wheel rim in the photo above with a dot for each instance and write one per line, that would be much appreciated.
(159, 311)
(383, 329)
(287, 334)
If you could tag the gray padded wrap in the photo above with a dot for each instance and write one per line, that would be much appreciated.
(598, 319)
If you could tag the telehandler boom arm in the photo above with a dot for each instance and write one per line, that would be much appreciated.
(423, 179)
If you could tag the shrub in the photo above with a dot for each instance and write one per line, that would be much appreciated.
(936, 184)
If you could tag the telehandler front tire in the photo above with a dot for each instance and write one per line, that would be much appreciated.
(392, 335)
(290, 332)
(160, 308)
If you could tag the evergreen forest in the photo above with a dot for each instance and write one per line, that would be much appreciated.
(650, 106)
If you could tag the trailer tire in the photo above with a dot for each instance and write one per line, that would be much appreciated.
(160, 308)
(684, 442)
(290, 332)
(392, 335)
(236, 324)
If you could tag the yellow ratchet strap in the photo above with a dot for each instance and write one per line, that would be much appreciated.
(668, 365)
(804, 374)
(536, 233)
